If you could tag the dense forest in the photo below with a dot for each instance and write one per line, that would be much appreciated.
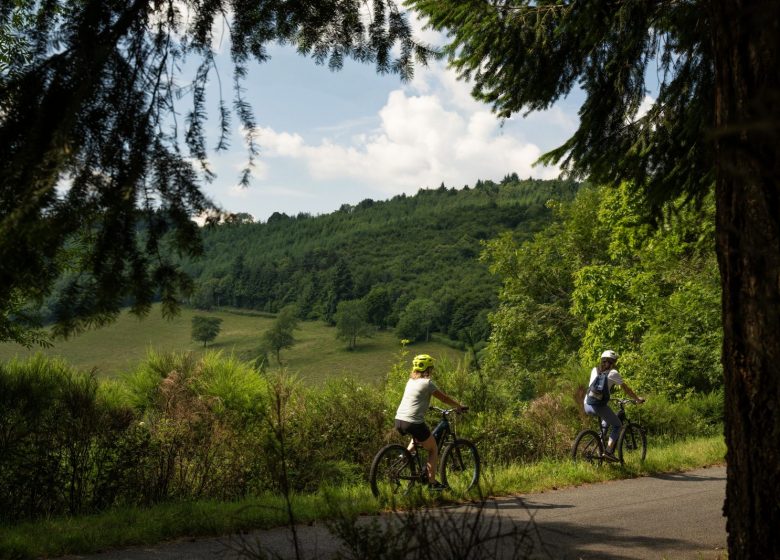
(412, 261)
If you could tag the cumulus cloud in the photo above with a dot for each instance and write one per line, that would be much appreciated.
(420, 142)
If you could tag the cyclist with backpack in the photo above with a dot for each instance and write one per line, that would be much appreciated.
(603, 378)
(410, 417)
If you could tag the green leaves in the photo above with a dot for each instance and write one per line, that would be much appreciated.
(86, 90)
(601, 277)
(205, 329)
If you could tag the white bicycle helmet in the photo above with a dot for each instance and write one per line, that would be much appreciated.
(610, 355)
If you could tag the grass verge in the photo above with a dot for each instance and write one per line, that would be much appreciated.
(135, 526)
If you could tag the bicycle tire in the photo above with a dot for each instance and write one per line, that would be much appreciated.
(632, 444)
(588, 447)
(460, 466)
(392, 473)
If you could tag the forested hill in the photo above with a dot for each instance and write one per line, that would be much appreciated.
(413, 261)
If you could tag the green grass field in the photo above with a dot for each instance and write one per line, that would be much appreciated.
(316, 356)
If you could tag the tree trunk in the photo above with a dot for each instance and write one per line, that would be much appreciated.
(745, 41)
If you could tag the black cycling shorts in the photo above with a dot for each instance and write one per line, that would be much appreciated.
(420, 432)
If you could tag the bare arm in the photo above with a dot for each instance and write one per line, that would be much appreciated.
(444, 397)
(631, 393)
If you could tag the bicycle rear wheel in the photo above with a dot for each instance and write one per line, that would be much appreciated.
(460, 466)
(632, 444)
(588, 447)
(392, 472)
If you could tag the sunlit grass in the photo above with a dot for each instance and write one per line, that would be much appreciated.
(127, 527)
(316, 356)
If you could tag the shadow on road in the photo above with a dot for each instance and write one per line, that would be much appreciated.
(687, 477)
(481, 533)
(557, 539)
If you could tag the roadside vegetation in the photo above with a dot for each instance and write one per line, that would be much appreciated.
(196, 435)
(185, 445)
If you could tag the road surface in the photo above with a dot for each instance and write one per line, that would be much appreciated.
(665, 516)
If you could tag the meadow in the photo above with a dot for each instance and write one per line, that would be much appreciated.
(317, 356)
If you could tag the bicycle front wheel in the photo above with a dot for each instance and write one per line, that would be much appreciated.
(460, 466)
(392, 472)
(588, 447)
(632, 444)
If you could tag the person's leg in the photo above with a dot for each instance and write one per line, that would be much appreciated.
(416, 431)
(433, 457)
(606, 413)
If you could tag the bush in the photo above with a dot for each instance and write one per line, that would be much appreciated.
(58, 442)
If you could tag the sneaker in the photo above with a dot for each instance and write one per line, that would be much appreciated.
(437, 486)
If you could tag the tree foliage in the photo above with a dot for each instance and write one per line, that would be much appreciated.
(352, 322)
(280, 334)
(387, 253)
(96, 167)
(716, 119)
(600, 277)
(417, 319)
(524, 56)
(205, 329)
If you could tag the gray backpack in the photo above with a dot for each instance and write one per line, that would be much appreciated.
(598, 392)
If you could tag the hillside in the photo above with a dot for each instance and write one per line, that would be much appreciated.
(414, 260)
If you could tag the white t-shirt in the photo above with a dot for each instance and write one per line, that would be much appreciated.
(613, 378)
(416, 400)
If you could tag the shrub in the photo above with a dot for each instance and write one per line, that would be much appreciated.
(58, 440)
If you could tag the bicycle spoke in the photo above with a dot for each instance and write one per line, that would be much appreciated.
(632, 446)
(392, 473)
(588, 448)
(460, 466)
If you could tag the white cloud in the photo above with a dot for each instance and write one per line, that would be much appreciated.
(644, 107)
(419, 143)
(280, 144)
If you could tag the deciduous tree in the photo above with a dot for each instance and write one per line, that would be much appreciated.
(351, 322)
(280, 334)
(205, 329)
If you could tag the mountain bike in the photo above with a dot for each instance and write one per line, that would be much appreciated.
(631, 445)
(395, 470)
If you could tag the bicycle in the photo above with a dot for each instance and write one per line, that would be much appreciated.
(631, 444)
(394, 470)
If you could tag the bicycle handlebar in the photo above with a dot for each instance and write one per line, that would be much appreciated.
(447, 411)
(626, 401)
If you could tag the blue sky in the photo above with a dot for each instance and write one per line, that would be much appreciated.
(329, 138)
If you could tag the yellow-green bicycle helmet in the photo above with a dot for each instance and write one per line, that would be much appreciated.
(421, 362)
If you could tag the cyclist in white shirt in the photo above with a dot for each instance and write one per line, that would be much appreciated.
(599, 407)
(410, 417)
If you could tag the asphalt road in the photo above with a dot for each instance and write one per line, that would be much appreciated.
(667, 516)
